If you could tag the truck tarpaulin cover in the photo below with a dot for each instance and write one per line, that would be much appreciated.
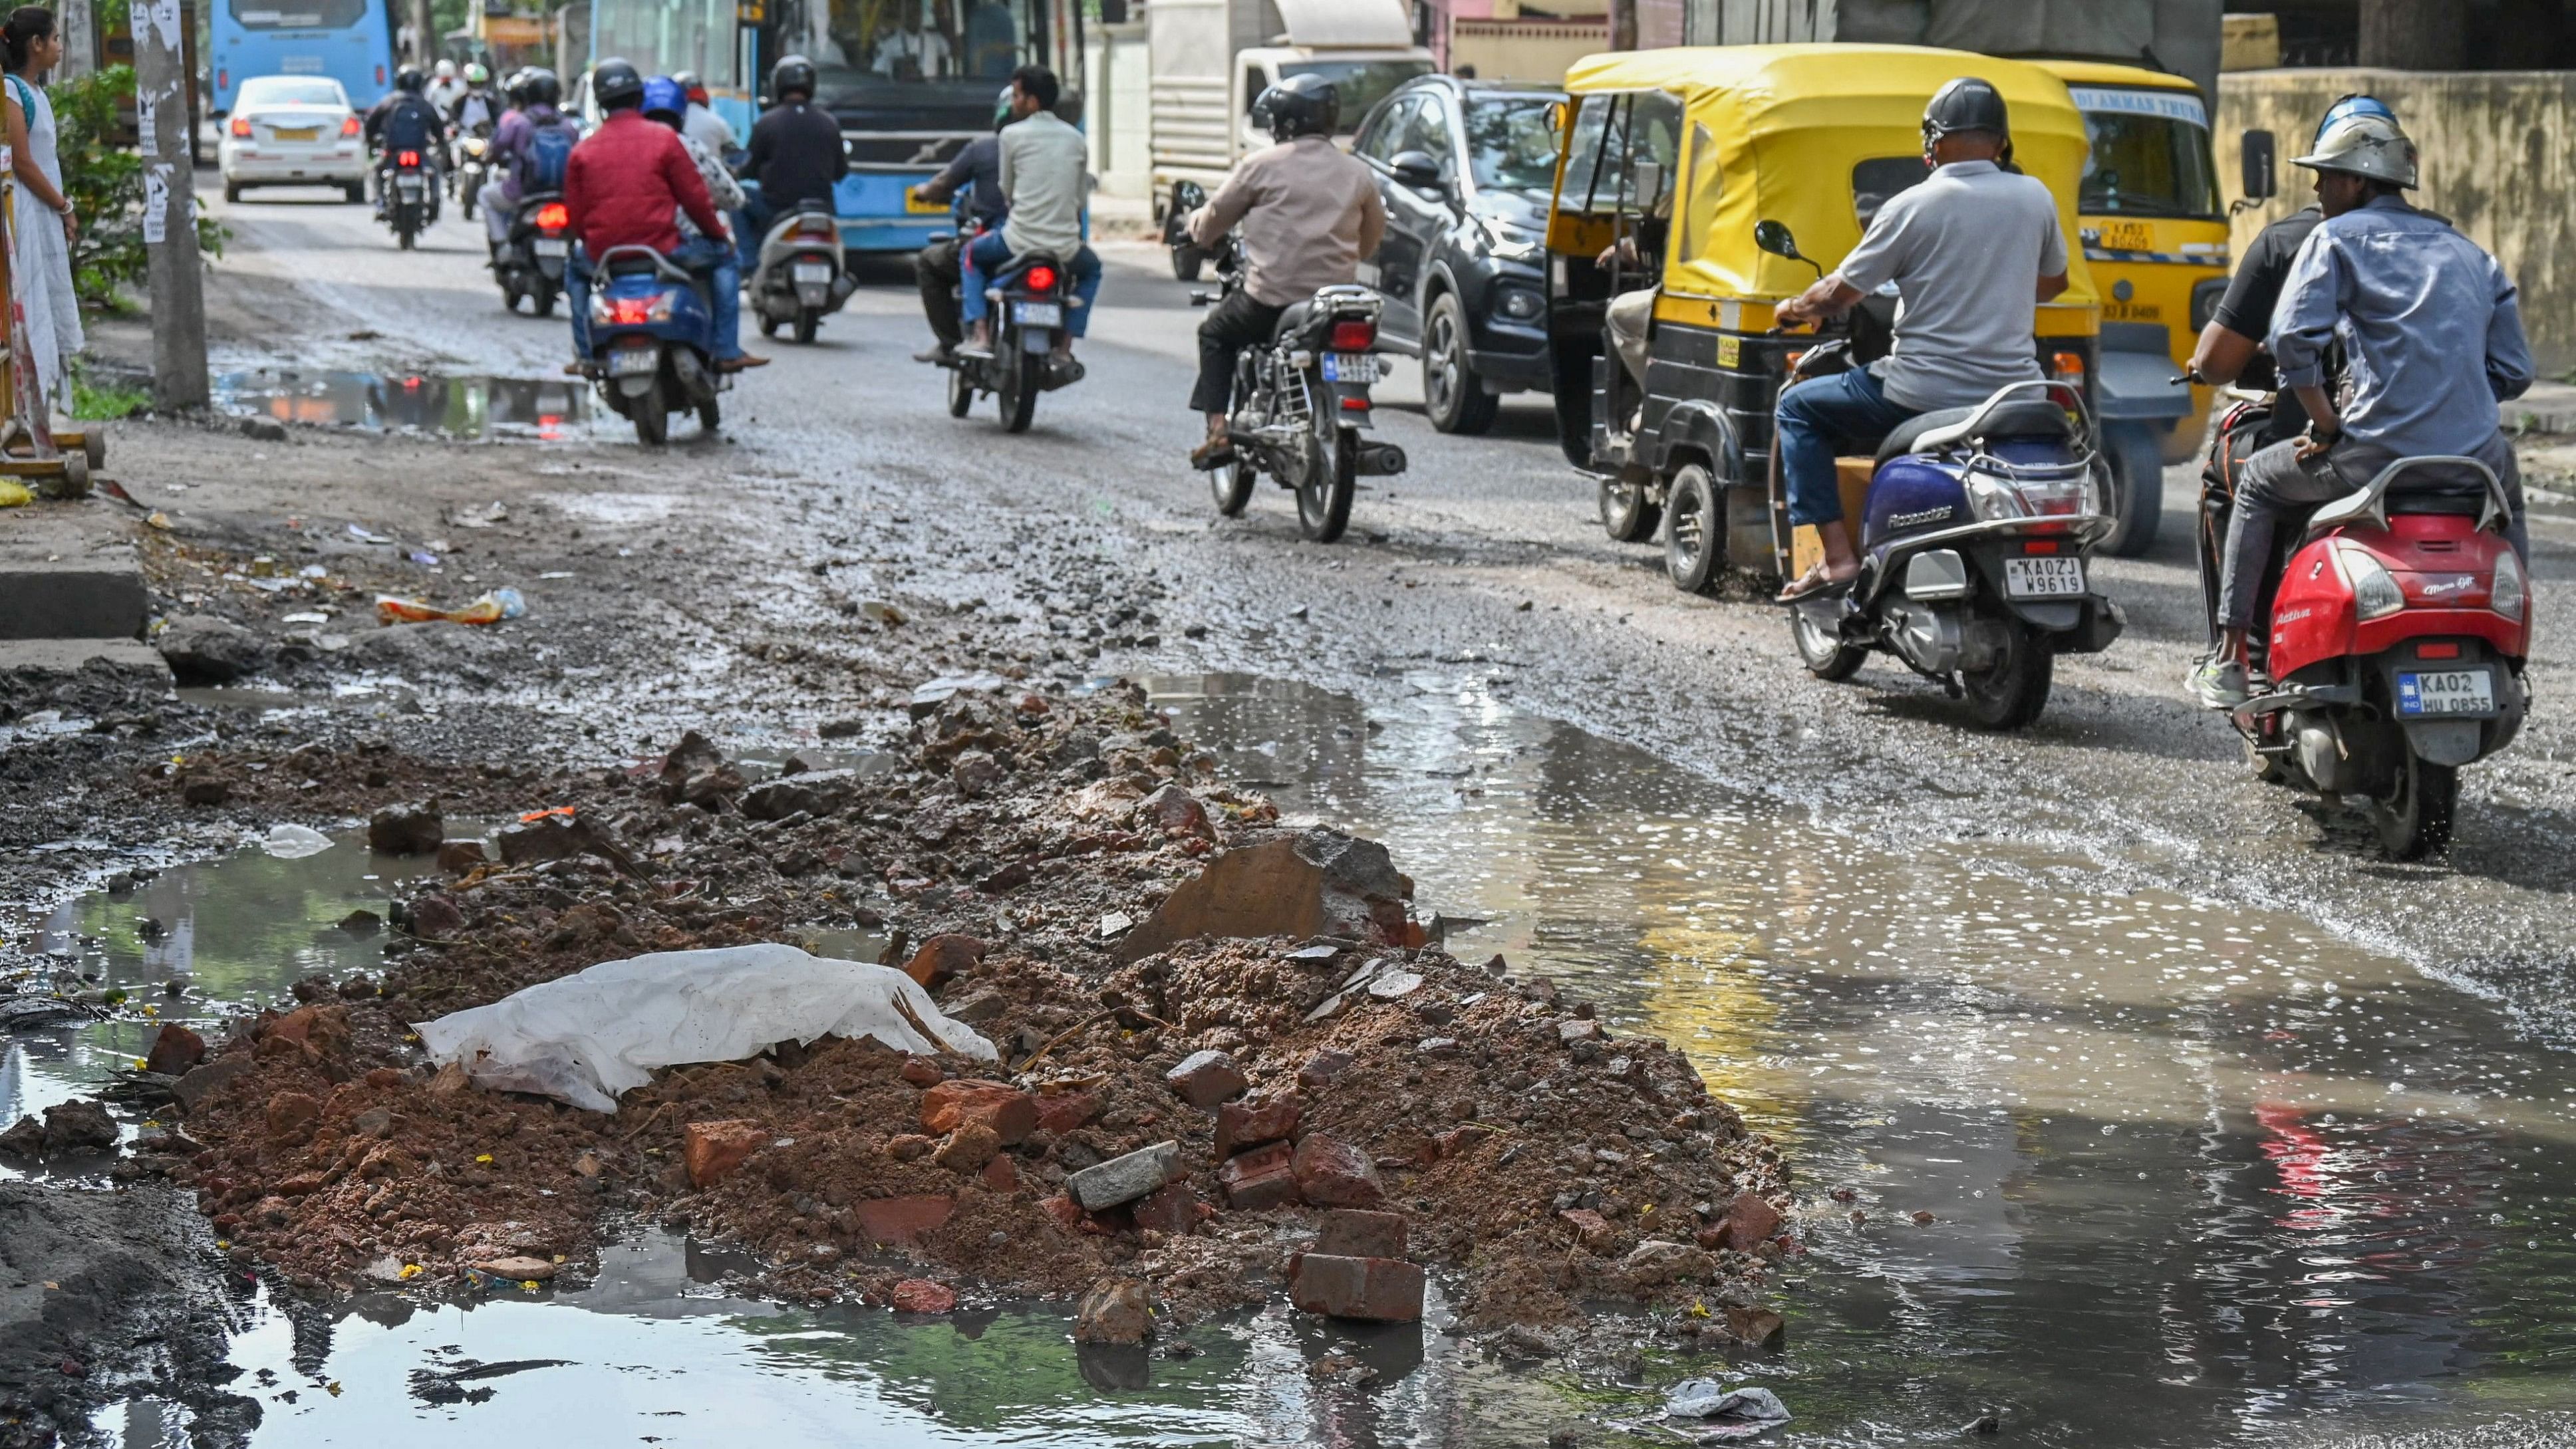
(588, 1037)
(1346, 23)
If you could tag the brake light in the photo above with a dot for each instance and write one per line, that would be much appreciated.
(553, 217)
(240, 126)
(630, 311)
(1352, 335)
(1041, 279)
(2040, 545)
(1355, 405)
(348, 126)
(2437, 651)
(380, 75)
(2067, 365)
(407, 158)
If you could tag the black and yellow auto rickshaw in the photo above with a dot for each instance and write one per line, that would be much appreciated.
(1682, 152)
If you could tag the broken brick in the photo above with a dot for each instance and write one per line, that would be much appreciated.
(968, 1148)
(922, 1072)
(1256, 1120)
(1747, 1222)
(1064, 1111)
(1591, 1229)
(714, 1149)
(899, 1221)
(292, 1114)
(1382, 1290)
(1010, 1112)
(1204, 1079)
(175, 1050)
(1335, 1174)
(1000, 1175)
(944, 956)
(1265, 1177)
(1359, 1233)
(920, 1295)
(1172, 1208)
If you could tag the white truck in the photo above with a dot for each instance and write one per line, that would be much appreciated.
(1211, 59)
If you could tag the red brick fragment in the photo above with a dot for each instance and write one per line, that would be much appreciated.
(1335, 1174)
(1359, 1233)
(1172, 1208)
(175, 1050)
(1255, 1120)
(1065, 1111)
(901, 1220)
(714, 1149)
(1747, 1222)
(1591, 1229)
(920, 1295)
(922, 1072)
(944, 956)
(1265, 1177)
(1383, 1290)
(1010, 1112)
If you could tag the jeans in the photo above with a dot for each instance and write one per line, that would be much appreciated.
(1820, 419)
(750, 227)
(938, 268)
(700, 255)
(1233, 324)
(2276, 480)
(989, 254)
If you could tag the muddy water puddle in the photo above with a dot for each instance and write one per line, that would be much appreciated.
(2193, 1175)
(545, 409)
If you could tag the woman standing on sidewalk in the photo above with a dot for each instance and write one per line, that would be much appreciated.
(41, 225)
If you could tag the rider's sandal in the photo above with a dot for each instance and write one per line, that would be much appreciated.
(1814, 583)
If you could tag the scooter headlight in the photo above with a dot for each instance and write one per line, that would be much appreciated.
(2375, 594)
(2504, 595)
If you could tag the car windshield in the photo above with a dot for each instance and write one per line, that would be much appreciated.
(1361, 83)
(278, 90)
(2149, 156)
(1510, 145)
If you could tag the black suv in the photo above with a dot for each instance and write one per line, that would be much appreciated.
(1466, 168)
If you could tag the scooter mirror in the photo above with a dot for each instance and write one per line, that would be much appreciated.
(2256, 157)
(1774, 237)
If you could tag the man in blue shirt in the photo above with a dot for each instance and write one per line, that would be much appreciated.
(2432, 340)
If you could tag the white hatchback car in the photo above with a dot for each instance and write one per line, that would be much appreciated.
(293, 130)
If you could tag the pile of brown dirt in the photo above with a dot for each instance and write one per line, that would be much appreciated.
(1028, 845)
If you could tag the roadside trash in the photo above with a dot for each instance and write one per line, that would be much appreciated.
(588, 1037)
(306, 617)
(492, 608)
(294, 842)
(365, 535)
(160, 520)
(533, 816)
(1754, 1409)
(14, 494)
(424, 558)
(483, 517)
(556, 574)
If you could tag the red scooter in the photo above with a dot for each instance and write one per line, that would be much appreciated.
(2399, 624)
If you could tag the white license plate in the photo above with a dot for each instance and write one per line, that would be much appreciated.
(2446, 691)
(630, 361)
(1036, 314)
(1350, 367)
(2043, 578)
(407, 183)
(552, 247)
(814, 271)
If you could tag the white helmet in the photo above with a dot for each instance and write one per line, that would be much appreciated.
(2364, 145)
(444, 70)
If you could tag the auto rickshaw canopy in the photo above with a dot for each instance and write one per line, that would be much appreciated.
(1813, 136)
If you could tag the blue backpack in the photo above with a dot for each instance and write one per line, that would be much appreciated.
(549, 151)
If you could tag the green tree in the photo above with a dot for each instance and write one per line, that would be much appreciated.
(105, 184)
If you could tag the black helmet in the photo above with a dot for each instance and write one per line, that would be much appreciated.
(410, 79)
(616, 84)
(514, 86)
(544, 87)
(1966, 104)
(793, 73)
(1301, 105)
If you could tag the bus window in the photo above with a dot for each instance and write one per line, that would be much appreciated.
(298, 14)
(911, 42)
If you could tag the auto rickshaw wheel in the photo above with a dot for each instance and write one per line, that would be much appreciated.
(2137, 489)
(1694, 530)
(1626, 513)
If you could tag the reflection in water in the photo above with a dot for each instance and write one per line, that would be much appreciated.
(2192, 1175)
(462, 407)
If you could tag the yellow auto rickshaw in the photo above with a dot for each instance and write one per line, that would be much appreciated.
(1679, 153)
(2155, 233)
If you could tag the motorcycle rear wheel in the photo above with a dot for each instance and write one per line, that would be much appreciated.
(710, 416)
(768, 325)
(2414, 818)
(652, 417)
(1324, 489)
(1016, 396)
(1826, 656)
(1232, 485)
(542, 300)
(2012, 691)
(807, 319)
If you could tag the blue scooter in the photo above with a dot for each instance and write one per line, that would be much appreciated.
(652, 342)
(1975, 538)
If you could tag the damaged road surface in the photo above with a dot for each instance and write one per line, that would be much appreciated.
(1370, 1053)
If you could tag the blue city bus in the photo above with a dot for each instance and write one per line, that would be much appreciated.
(351, 41)
(910, 81)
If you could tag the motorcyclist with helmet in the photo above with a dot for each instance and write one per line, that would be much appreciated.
(666, 101)
(939, 266)
(405, 121)
(472, 106)
(520, 158)
(1310, 215)
(2431, 334)
(443, 86)
(1973, 249)
(701, 124)
(796, 156)
(625, 185)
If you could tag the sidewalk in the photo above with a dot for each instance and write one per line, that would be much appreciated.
(2550, 407)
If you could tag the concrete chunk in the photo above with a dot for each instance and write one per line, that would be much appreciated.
(1124, 1179)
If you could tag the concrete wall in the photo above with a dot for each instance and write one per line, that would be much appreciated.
(2498, 157)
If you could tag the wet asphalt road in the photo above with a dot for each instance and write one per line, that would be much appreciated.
(1487, 555)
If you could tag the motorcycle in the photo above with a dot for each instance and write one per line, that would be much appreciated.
(410, 203)
(1300, 404)
(530, 262)
(1027, 302)
(467, 171)
(652, 342)
(2398, 622)
(800, 279)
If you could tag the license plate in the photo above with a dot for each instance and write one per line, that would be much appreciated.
(2128, 236)
(814, 271)
(1038, 314)
(407, 183)
(297, 133)
(2043, 578)
(553, 247)
(630, 361)
(2446, 691)
(1350, 367)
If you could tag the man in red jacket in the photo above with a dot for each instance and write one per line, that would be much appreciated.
(627, 184)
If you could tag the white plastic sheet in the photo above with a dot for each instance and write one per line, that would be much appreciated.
(586, 1038)
(294, 842)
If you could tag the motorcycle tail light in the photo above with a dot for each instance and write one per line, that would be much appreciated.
(349, 126)
(815, 226)
(2505, 594)
(2375, 594)
(1353, 334)
(407, 158)
(2068, 366)
(240, 127)
(1041, 279)
(553, 217)
(1355, 405)
(632, 311)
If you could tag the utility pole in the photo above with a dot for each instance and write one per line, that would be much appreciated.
(176, 275)
(2414, 34)
(1623, 24)
(424, 35)
(80, 42)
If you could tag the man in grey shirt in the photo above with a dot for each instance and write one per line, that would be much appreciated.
(1972, 250)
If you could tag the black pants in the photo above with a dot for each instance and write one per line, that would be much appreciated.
(936, 267)
(1232, 325)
